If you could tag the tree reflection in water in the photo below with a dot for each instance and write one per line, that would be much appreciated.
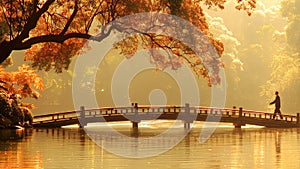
(11, 146)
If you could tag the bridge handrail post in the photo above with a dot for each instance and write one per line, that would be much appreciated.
(240, 112)
(239, 123)
(136, 109)
(132, 107)
(82, 116)
(233, 110)
(187, 108)
(82, 112)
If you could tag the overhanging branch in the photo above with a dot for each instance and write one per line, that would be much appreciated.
(70, 19)
(61, 38)
(32, 21)
(50, 38)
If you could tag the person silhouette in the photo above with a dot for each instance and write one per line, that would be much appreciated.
(277, 105)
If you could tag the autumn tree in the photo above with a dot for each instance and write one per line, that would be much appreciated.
(14, 86)
(53, 31)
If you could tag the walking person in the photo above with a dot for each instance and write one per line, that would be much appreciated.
(277, 105)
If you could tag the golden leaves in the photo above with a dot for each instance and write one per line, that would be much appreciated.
(247, 5)
(47, 56)
(14, 15)
(53, 55)
(24, 82)
(128, 46)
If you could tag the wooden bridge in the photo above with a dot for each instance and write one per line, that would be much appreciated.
(135, 114)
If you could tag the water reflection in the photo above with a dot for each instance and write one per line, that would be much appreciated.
(278, 141)
(227, 148)
(135, 132)
(11, 134)
(278, 146)
(62, 134)
(13, 152)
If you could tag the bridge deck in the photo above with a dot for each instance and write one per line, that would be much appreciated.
(238, 117)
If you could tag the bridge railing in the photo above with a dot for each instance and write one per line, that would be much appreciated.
(161, 109)
(267, 115)
(224, 112)
(131, 110)
(108, 111)
(146, 109)
(56, 116)
(228, 112)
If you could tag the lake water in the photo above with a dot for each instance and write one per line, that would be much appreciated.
(249, 147)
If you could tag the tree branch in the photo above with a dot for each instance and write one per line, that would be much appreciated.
(70, 19)
(35, 6)
(61, 38)
(89, 23)
(32, 21)
(8, 46)
(50, 38)
(8, 23)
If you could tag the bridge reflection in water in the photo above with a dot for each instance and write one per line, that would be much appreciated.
(234, 148)
(137, 113)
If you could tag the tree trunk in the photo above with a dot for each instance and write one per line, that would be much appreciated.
(5, 50)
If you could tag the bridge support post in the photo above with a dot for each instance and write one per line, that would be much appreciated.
(239, 122)
(237, 126)
(135, 121)
(187, 125)
(135, 124)
(298, 119)
(82, 120)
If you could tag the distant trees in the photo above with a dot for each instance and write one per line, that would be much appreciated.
(291, 10)
(286, 63)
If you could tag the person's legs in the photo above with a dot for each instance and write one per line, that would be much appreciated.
(275, 111)
(279, 112)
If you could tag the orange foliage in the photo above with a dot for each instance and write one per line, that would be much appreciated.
(24, 82)
(53, 31)
(59, 57)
